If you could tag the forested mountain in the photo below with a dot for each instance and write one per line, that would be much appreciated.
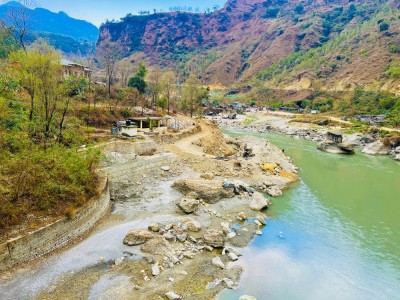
(290, 44)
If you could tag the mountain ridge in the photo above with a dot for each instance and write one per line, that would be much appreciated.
(44, 20)
(248, 37)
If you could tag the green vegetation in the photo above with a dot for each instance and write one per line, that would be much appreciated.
(384, 26)
(41, 171)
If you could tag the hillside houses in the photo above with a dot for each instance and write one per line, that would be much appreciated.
(72, 68)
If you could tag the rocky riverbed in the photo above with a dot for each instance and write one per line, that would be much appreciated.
(175, 232)
(371, 143)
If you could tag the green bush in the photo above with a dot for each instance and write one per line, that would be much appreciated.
(384, 26)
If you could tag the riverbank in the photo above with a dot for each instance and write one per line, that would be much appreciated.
(188, 222)
(370, 140)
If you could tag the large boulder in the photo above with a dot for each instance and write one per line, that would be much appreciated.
(214, 238)
(137, 237)
(211, 191)
(376, 148)
(188, 205)
(258, 202)
(336, 148)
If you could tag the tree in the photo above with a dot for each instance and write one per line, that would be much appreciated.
(138, 81)
(384, 26)
(168, 81)
(192, 94)
(7, 43)
(124, 69)
(18, 21)
(109, 54)
(299, 9)
(153, 80)
(39, 72)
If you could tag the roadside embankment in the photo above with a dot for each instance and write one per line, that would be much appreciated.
(57, 234)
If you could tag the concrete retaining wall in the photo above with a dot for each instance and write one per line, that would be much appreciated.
(55, 235)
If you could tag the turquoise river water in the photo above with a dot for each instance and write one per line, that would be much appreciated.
(334, 235)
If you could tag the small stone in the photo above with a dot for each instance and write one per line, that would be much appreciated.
(170, 279)
(216, 261)
(182, 273)
(213, 284)
(225, 227)
(189, 255)
(241, 216)
(231, 235)
(192, 239)
(165, 168)
(261, 219)
(247, 297)
(214, 238)
(182, 237)
(208, 176)
(137, 237)
(155, 227)
(192, 225)
(169, 237)
(155, 270)
(257, 222)
(229, 283)
(232, 256)
(259, 232)
(188, 205)
(118, 261)
(208, 248)
(173, 296)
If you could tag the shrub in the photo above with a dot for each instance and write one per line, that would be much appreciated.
(384, 26)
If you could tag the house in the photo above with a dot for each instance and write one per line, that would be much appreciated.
(72, 68)
(140, 125)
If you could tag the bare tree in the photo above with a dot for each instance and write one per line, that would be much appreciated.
(18, 21)
(124, 69)
(168, 82)
(109, 54)
(153, 80)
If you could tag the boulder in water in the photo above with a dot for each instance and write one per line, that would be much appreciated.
(336, 148)
(376, 148)
(258, 202)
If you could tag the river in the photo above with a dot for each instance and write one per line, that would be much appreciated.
(334, 235)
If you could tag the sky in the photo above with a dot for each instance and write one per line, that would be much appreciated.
(97, 11)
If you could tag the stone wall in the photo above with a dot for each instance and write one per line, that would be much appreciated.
(55, 235)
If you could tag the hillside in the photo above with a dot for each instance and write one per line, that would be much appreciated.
(280, 41)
